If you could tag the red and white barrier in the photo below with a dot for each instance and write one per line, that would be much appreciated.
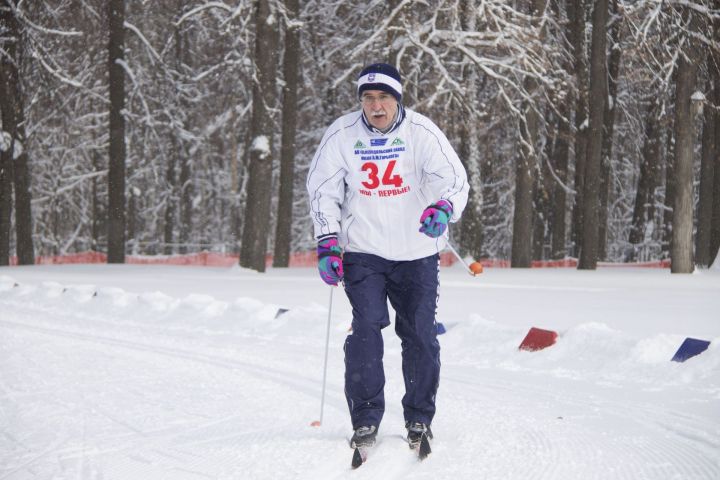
(297, 259)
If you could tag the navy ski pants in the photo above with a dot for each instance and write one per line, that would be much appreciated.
(412, 288)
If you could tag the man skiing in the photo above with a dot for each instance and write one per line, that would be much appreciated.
(383, 185)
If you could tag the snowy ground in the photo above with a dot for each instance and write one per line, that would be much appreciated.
(151, 372)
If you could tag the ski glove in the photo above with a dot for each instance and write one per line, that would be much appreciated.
(330, 259)
(435, 218)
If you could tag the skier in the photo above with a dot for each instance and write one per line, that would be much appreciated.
(383, 185)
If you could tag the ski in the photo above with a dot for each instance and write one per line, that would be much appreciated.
(424, 449)
(359, 457)
(360, 454)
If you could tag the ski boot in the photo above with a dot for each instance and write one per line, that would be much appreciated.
(364, 437)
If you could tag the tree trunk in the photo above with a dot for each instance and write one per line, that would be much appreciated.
(561, 155)
(681, 248)
(12, 106)
(608, 130)
(669, 200)
(471, 224)
(471, 227)
(715, 228)
(6, 191)
(521, 255)
(713, 241)
(541, 197)
(183, 61)
(598, 98)
(186, 202)
(256, 225)
(171, 198)
(23, 210)
(707, 177)
(576, 14)
(560, 158)
(116, 173)
(649, 178)
(132, 221)
(96, 205)
(291, 65)
(6, 138)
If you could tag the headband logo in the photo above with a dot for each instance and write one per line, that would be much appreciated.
(371, 77)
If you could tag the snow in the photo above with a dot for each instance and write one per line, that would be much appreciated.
(5, 141)
(159, 372)
(18, 149)
(698, 96)
(261, 144)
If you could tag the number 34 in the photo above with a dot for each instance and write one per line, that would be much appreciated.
(388, 178)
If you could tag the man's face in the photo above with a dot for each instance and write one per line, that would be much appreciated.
(380, 108)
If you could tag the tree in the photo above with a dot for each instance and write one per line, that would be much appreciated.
(524, 185)
(681, 249)
(609, 127)
(576, 14)
(7, 140)
(649, 177)
(6, 185)
(471, 237)
(480, 69)
(183, 61)
(715, 227)
(291, 65)
(560, 159)
(707, 178)
(560, 163)
(12, 106)
(598, 97)
(709, 189)
(527, 165)
(116, 149)
(256, 226)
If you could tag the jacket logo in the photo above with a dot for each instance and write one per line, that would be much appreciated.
(397, 142)
(378, 142)
(359, 144)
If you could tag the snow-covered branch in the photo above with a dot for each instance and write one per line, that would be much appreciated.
(200, 8)
(150, 49)
(39, 28)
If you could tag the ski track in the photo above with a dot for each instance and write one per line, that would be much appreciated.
(160, 400)
(646, 447)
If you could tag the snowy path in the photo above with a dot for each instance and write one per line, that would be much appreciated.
(102, 382)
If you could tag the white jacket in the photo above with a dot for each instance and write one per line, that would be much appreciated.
(371, 188)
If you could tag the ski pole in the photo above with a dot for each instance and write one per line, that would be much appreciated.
(474, 269)
(317, 423)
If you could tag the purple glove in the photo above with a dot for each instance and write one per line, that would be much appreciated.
(330, 259)
(435, 218)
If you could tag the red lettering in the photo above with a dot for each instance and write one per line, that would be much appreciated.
(373, 181)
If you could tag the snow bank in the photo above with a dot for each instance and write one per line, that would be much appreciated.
(177, 372)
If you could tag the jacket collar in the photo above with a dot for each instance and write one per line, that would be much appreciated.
(398, 120)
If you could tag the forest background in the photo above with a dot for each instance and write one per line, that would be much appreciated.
(589, 130)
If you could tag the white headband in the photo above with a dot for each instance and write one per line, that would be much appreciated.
(379, 78)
